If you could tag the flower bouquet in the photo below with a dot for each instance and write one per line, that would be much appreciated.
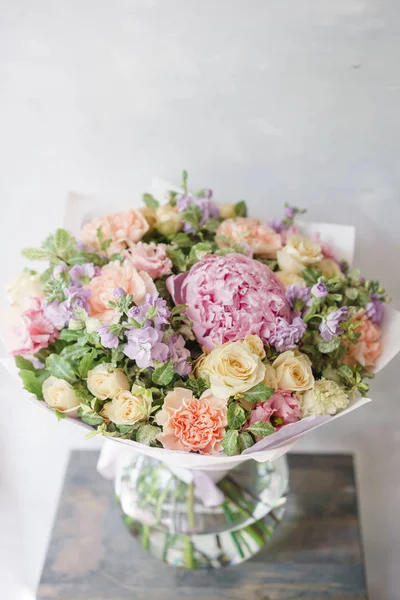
(200, 337)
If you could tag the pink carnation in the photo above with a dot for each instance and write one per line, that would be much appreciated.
(190, 424)
(123, 228)
(326, 250)
(229, 297)
(151, 258)
(36, 331)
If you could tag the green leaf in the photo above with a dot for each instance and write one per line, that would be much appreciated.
(310, 276)
(177, 257)
(164, 374)
(182, 240)
(351, 293)
(60, 415)
(261, 429)
(87, 363)
(73, 352)
(198, 251)
(328, 347)
(82, 391)
(23, 363)
(236, 415)
(193, 215)
(147, 434)
(197, 386)
(36, 254)
(258, 393)
(88, 416)
(150, 201)
(245, 441)
(58, 366)
(63, 241)
(346, 374)
(31, 383)
(230, 443)
(241, 209)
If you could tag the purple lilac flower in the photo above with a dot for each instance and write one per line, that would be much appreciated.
(289, 212)
(297, 292)
(208, 209)
(161, 316)
(287, 335)
(77, 296)
(375, 309)
(108, 340)
(277, 225)
(80, 273)
(119, 292)
(330, 326)
(179, 355)
(58, 313)
(145, 346)
(319, 290)
(58, 270)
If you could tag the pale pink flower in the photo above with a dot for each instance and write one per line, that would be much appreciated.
(151, 258)
(35, 332)
(326, 250)
(229, 297)
(262, 240)
(123, 228)
(285, 406)
(367, 348)
(117, 275)
(289, 232)
(190, 424)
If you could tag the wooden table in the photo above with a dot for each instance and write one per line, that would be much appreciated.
(316, 553)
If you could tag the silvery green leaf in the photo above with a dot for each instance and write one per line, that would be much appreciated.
(147, 434)
(236, 415)
(261, 429)
(63, 241)
(245, 441)
(59, 367)
(150, 201)
(258, 393)
(328, 347)
(87, 363)
(31, 383)
(230, 442)
(164, 374)
(36, 254)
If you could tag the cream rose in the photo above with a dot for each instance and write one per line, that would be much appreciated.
(104, 381)
(128, 407)
(168, 220)
(227, 211)
(60, 394)
(270, 376)
(255, 344)
(21, 291)
(293, 371)
(290, 278)
(299, 252)
(231, 369)
(330, 268)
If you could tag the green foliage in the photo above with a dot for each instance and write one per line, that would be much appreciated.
(36, 254)
(147, 434)
(261, 429)
(258, 393)
(150, 201)
(89, 416)
(328, 347)
(87, 363)
(193, 216)
(164, 374)
(245, 440)
(59, 367)
(82, 392)
(32, 383)
(23, 363)
(197, 386)
(177, 257)
(310, 276)
(236, 415)
(241, 209)
(230, 443)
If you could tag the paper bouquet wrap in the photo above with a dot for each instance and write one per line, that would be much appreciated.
(194, 334)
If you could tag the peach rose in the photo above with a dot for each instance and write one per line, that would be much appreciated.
(112, 276)
(368, 347)
(151, 258)
(262, 240)
(124, 228)
(190, 424)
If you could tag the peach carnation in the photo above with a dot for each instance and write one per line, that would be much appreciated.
(190, 424)
(123, 228)
(262, 240)
(368, 347)
(151, 258)
(117, 275)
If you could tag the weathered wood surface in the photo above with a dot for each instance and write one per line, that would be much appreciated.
(315, 554)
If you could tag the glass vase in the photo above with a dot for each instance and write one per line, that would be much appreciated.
(172, 523)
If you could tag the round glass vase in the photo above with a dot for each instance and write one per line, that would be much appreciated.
(171, 522)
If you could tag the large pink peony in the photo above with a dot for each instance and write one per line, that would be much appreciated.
(151, 258)
(124, 229)
(36, 332)
(191, 424)
(117, 275)
(229, 297)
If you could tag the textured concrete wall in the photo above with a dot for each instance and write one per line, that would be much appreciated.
(295, 100)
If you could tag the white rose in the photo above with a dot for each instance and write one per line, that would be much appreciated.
(299, 252)
(231, 369)
(20, 291)
(128, 408)
(326, 398)
(168, 220)
(293, 371)
(60, 394)
(104, 381)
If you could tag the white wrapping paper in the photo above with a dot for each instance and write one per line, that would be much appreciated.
(81, 209)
